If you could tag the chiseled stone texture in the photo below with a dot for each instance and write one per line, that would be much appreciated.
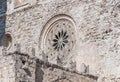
(23, 68)
(98, 33)
(62, 76)
(46, 72)
(7, 69)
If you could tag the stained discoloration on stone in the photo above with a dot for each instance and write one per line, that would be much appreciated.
(97, 35)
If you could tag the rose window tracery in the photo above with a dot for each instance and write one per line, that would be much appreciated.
(59, 39)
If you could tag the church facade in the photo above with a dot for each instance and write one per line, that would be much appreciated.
(60, 41)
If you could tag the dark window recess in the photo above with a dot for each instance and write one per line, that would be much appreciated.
(60, 40)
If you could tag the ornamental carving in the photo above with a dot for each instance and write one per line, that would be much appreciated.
(58, 39)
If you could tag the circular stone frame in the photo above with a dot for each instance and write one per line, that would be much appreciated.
(50, 25)
(46, 28)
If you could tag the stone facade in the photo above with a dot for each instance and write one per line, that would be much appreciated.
(60, 41)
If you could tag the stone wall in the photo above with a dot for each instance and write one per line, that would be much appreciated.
(19, 67)
(92, 46)
(7, 69)
(47, 72)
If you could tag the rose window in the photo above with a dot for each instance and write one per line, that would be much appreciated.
(61, 39)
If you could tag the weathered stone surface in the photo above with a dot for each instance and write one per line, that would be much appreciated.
(23, 68)
(97, 36)
(7, 69)
(46, 72)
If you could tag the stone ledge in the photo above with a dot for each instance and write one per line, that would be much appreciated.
(48, 65)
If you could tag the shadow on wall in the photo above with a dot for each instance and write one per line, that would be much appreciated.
(3, 9)
(39, 72)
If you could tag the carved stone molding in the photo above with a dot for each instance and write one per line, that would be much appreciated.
(58, 38)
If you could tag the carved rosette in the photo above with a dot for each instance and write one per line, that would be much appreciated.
(59, 39)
